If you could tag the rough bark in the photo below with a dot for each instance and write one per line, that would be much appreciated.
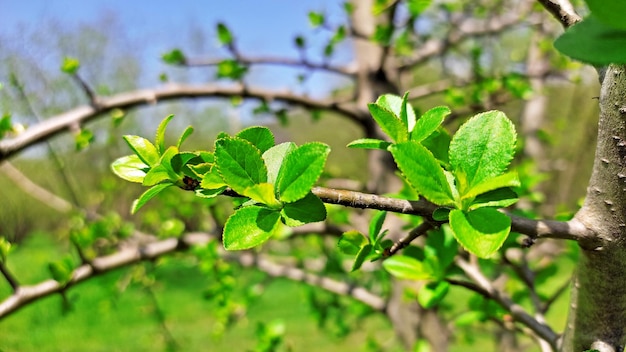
(598, 304)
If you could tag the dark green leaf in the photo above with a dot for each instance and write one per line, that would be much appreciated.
(174, 57)
(224, 35)
(300, 170)
(304, 211)
(249, 227)
(610, 12)
(441, 214)
(130, 168)
(482, 148)
(423, 172)
(147, 195)
(429, 123)
(499, 198)
(261, 137)
(432, 293)
(363, 253)
(369, 143)
(594, 42)
(300, 42)
(482, 231)
(239, 163)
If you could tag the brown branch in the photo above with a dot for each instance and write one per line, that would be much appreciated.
(34, 190)
(59, 123)
(562, 10)
(133, 254)
(410, 237)
(516, 311)
(9, 277)
(349, 71)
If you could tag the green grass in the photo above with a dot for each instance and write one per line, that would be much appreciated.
(102, 319)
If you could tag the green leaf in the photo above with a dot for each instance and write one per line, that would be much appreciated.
(231, 69)
(5, 249)
(224, 35)
(376, 224)
(239, 163)
(445, 247)
(609, 12)
(209, 193)
(407, 114)
(429, 122)
(300, 42)
(361, 256)
(274, 157)
(262, 193)
(389, 123)
(594, 42)
(482, 231)
(316, 19)
(306, 210)
(83, 139)
(422, 171)
(186, 133)
(432, 293)
(470, 318)
(438, 143)
(404, 267)
(261, 137)
(166, 160)
(508, 179)
(62, 270)
(212, 179)
(482, 148)
(159, 140)
(174, 57)
(369, 143)
(249, 227)
(70, 65)
(441, 214)
(145, 150)
(156, 175)
(300, 170)
(351, 242)
(130, 168)
(416, 7)
(400, 107)
(499, 198)
(147, 195)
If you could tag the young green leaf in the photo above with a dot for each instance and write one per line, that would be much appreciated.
(482, 231)
(156, 175)
(306, 210)
(432, 293)
(62, 270)
(147, 195)
(186, 133)
(498, 198)
(482, 148)
(130, 168)
(159, 140)
(300, 170)
(429, 122)
(405, 267)
(212, 179)
(231, 69)
(361, 256)
(262, 193)
(351, 242)
(438, 143)
(389, 123)
(70, 65)
(316, 19)
(83, 139)
(249, 227)
(239, 163)
(422, 171)
(224, 35)
(209, 193)
(174, 57)
(376, 224)
(261, 137)
(369, 143)
(508, 179)
(145, 150)
(273, 158)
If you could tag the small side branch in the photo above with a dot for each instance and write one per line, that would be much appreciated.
(562, 10)
(9, 277)
(517, 312)
(415, 233)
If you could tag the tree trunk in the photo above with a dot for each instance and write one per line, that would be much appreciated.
(597, 317)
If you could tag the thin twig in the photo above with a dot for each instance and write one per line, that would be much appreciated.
(562, 10)
(410, 237)
(9, 277)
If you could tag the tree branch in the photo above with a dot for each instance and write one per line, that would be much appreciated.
(562, 10)
(82, 114)
(413, 234)
(518, 313)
